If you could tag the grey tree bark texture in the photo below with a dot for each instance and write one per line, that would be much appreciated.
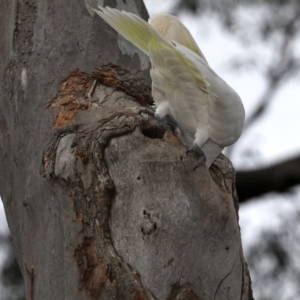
(101, 203)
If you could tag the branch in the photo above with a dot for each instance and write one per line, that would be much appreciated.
(277, 178)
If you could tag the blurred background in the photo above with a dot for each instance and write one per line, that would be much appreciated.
(255, 46)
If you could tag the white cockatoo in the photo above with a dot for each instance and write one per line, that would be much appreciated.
(207, 111)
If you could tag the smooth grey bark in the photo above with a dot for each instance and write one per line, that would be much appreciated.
(100, 202)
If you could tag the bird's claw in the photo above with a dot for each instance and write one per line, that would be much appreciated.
(190, 150)
(199, 151)
(147, 111)
(201, 161)
(165, 121)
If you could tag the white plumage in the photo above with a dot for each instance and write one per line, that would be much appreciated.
(207, 111)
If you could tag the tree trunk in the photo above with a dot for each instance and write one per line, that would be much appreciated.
(101, 203)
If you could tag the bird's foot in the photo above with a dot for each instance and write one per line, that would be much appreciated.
(199, 151)
(200, 162)
(147, 111)
(165, 121)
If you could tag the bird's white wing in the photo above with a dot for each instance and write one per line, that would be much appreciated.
(173, 30)
(143, 35)
(226, 112)
(174, 75)
(188, 104)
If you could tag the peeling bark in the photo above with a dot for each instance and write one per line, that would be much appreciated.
(78, 166)
(101, 202)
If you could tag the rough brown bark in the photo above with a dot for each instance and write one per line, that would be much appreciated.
(101, 203)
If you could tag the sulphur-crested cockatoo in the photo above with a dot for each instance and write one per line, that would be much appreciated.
(207, 111)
